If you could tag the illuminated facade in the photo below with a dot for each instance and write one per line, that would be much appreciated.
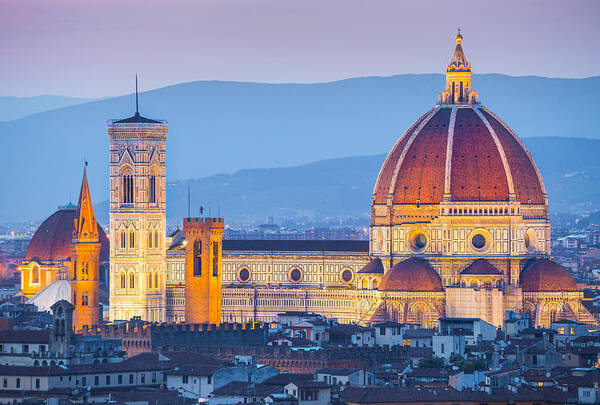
(459, 227)
(137, 218)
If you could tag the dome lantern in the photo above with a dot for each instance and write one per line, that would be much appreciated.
(458, 78)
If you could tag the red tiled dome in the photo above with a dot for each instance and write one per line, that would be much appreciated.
(481, 266)
(52, 240)
(415, 275)
(486, 161)
(546, 275)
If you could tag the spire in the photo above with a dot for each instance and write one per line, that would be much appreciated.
(458, 63)
(85, 228)
(137, 107)
(458, 78)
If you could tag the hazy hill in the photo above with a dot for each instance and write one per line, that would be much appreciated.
(343, 187)
(223, 127)
(12, 108)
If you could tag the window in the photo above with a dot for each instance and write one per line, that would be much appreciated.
(83, 380)
(185, 379)
(84, 270)
(197, 258)
(143, 378)
(152, 189)
(5, 383)
(156, 238)
(131, 239)
(130, 378)
(149, 280)
(35, 275)
(122, 238)
(37, 383)
(443, 348)
(127, 184)
(123, 286)
(84, 299)
(560, 331)
(25, 348)
(120, 379)
(153, 377)
(131, 280)
(96, 380)
(209, 379)
(156, 280)
(150, 239)
(108, 380)
(215, 259)
(572, 331)
(18, 383)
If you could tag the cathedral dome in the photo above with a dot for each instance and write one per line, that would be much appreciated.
(413, 275)
(459, 151)
(52, 240)
(545, 275)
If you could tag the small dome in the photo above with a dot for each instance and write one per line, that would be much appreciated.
(415, 275)
(480, 267)
(546, 275)
(56, 291)
(52, 240)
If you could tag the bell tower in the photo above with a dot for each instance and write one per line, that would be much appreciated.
(85, 262)
(203, 269)
(137, 217)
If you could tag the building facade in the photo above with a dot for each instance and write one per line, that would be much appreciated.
(137, 218)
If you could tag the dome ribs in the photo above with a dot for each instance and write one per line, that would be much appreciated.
(411, 275)
(477, 170)
(421, 175)
(386, 173)
(527, 181)
(542, 274)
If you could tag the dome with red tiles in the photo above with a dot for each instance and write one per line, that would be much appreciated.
(544, 275)
(52, 240)
(459, 151)
(412, 275)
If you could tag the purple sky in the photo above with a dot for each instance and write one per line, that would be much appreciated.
(92, 49)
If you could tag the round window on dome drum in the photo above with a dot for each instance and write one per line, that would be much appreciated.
(295, 275)
(243, 274)
(346, 275)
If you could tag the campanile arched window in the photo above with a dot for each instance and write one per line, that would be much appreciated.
(127, 186)
(152, 186)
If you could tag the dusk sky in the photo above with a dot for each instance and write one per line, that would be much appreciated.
(93, 49)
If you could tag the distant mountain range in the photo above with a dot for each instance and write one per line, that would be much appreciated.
(343, 187)
(225, 127)
(13, 108)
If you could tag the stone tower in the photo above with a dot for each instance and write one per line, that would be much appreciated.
(85, 262)
(203, 269)
(137, 218)
(62, 332)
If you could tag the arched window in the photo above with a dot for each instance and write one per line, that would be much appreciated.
(127, 186)
(152, 188)
(197, 258)
(364, 284)
(156, 238)
(35, 275)
(123, 285)
(150, 280)
(131, 280)
(131, 239)
(150, 239)
(84, 271)
(375, 284)
(215, 259)
(122, 239)
(156, 280)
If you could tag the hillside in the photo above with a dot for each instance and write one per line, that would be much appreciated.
(343, 187)
(224, 127)
(13, 108)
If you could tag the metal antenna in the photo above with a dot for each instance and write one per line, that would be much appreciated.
(189, 213)
(137, 110)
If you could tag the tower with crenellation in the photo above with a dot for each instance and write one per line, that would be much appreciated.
(203, 269)
(137, 217)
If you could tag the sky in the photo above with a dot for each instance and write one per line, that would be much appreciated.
(93, 49)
